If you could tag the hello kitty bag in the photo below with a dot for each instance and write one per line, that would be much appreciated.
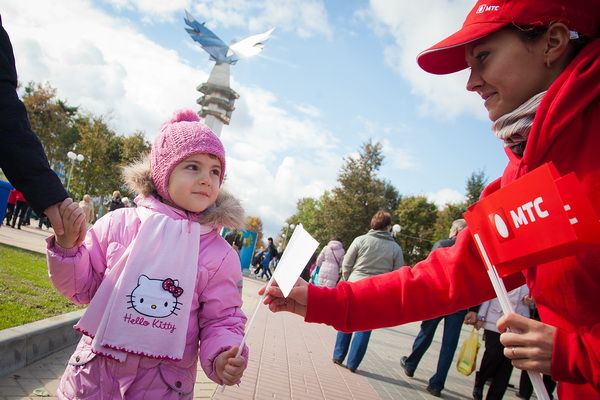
(142, 306)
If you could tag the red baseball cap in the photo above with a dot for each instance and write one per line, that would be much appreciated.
(488, 16)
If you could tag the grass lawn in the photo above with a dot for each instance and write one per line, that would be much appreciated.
(26, 293)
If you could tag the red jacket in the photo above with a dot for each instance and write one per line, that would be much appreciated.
(566, 130)
(12, 197)
(18, 196)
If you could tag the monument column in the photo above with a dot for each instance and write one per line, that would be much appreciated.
(218, 98)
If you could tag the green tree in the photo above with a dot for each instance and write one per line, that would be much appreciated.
(52, 120)
(255, 224)
(360, 194)
(417, 219)
(309, 214)
(347, 209)
(129, 149)
(99, 173)
(448, 214)
(475, 185)
(134, 147)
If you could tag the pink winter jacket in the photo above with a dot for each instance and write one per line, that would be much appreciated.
(216, 319)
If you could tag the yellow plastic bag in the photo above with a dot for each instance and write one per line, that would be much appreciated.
(467, 358)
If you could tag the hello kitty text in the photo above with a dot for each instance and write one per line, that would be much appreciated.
(156, 323)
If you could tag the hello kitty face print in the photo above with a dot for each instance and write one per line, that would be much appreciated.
(155, 298)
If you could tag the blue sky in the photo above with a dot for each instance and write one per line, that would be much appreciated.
(334, 74)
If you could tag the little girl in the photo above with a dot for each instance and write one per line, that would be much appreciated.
(161, 283)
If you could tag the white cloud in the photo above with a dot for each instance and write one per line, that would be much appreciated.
(415, 26)
(109, 67)
(275, 158)
(309, 110)
(305, 17)
(445, 196)
(101, 64)
(278, 150)
(154, 10)
(398, 157)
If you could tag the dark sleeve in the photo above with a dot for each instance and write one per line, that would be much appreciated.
(22, 156)
(474, 308)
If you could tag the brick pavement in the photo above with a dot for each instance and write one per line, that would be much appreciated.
(289, 359)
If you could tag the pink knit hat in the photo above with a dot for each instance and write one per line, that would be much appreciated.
(180, 137)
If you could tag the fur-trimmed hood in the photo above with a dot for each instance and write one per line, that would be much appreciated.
(228, 210)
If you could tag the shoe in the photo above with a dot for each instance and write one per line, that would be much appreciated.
(434, 392)
(353, 370)
(336, 361)
(477, 393)
(520, 396)
(408, 373)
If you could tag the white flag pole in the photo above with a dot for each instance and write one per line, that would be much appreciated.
(507, 308)
(250, 324)
(297, 253)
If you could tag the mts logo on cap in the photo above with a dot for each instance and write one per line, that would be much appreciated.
(484, 7)
(537, 218)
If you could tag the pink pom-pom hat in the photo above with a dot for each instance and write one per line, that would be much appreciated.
(178, 138)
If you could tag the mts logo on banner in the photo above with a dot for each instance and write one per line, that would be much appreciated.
(537, 218)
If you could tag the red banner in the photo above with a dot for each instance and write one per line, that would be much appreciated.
(538, 218)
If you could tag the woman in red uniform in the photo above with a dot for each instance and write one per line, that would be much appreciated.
(536, 65)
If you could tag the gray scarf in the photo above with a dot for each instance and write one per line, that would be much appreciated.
(513, 128)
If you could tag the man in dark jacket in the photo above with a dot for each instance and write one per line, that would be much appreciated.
(452, 327)
(271, 248)
(22, 156)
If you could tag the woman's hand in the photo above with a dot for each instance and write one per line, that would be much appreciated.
(478, 324)
(73, 219)
(470, 318)
(294, 303)
(230, 368)
(527, 300)
(529, 344)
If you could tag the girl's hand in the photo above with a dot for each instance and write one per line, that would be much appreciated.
(529, 344)
(230, 368)
(73, 218)
(294, 303)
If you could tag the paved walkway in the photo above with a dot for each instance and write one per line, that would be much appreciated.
(289, 359)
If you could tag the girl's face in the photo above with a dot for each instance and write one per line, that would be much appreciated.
(505, 71)
(194, 183)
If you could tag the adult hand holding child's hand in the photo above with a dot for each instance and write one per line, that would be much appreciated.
(73, 219)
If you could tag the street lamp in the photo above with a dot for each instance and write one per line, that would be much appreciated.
(396, 229)
(287, 227)
(73, 157)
